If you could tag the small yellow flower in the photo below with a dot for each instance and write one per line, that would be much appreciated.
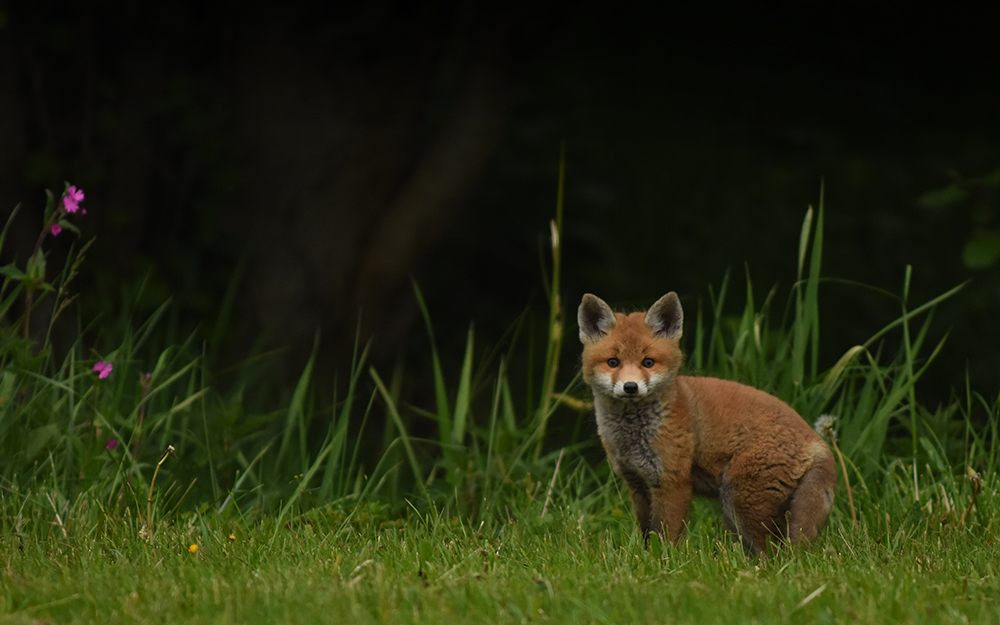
(193, 548)
(232, 537)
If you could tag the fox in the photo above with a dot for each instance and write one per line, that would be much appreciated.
(670, 436)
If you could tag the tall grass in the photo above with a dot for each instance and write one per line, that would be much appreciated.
(72, 442)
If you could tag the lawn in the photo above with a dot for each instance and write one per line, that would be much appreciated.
(135, 488)
(566, 567)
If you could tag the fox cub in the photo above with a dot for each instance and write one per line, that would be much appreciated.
(669, 436)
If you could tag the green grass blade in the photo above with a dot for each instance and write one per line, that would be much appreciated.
(812, 290)
(698, 355)
(833, 378)
(908, 358)
(6, 228)
(913, 313)
(718, 357)
(806, 327)
(804, 242)
(404, 437)
(440, 389)
(462, 398)
(303, 483)
(295, 416)
(553, 349)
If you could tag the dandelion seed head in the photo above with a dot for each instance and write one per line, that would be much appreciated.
(826, 426)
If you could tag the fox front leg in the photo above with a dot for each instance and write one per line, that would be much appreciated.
(641, 497)
(669, 505)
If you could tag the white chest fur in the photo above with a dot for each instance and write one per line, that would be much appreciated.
(627, 429)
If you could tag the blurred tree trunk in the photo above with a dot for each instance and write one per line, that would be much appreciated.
(357, 155)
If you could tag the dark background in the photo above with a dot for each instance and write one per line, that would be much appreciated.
(310, 161)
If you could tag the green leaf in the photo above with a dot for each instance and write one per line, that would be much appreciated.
(13, 272)
(36, 268)
(983, 250)
(65, 224)
(943, 198)
(50, 205)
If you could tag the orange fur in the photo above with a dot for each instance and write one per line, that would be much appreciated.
(670, 436)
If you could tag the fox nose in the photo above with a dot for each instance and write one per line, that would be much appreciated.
(631, 388)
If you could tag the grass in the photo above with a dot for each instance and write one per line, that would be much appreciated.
(499, 510)
(569, 567)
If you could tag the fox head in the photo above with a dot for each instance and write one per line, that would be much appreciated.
(630, 357)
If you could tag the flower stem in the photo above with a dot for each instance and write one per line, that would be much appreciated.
(847, 483)
(149, 501)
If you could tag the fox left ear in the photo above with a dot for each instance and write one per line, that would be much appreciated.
(665, 318)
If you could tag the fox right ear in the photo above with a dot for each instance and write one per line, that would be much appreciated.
(596, 319)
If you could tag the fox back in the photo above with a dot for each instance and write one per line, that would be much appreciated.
(669, 436)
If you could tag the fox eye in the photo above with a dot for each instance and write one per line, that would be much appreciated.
(647, 362)
(613, 362)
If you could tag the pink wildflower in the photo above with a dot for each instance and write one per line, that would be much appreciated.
(112, 443)
(56, 229)
(72, 199)
(103, 369)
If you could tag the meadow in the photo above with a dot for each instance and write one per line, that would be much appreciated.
(135, 487)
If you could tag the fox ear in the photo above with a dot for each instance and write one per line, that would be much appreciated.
(665, 318)
(596, 319)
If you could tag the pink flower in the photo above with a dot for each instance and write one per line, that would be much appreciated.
(72, 199)
(103, 369)
(112, 443)
(56, 229)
